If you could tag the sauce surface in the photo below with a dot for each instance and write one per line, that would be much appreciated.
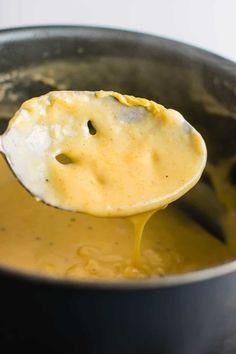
(107, 155)
(35, 237)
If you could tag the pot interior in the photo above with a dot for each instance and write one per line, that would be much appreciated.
(198, 84)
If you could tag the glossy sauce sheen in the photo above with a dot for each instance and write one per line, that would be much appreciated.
(35, 237)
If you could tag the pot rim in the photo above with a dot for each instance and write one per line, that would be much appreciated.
(44, 31)
(154, 282)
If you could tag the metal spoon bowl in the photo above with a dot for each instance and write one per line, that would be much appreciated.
(63, 149)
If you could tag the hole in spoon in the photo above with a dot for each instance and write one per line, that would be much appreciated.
(91, 128)
(63, 159)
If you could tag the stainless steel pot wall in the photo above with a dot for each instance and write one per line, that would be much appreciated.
(187, 314)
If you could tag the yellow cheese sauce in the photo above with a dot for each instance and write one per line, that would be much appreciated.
(103, 153)
(109, 155)
(35, 237)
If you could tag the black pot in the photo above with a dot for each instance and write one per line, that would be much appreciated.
(193, 313)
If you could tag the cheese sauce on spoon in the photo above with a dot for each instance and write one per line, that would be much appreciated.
(104, 154)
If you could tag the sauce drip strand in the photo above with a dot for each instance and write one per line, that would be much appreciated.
(139, 222)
